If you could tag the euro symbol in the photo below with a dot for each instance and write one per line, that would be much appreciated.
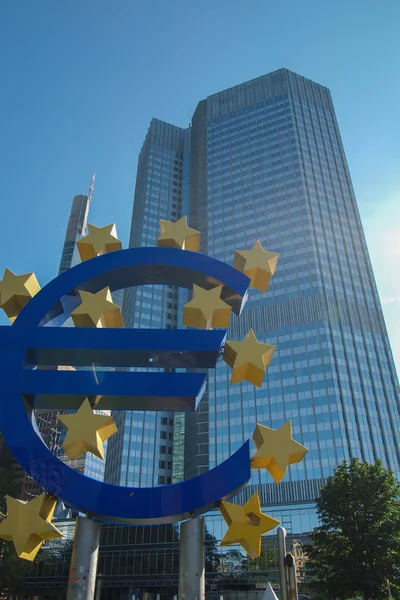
(36, 339)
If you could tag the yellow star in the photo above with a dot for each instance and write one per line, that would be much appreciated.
(246, 525)
(206, 310)
(248, 359)
(100, 240)
(276, 450)
(86, 432)
(97, 310)
(258, 264)
(16, 291)
(179, 235)
(28, 524)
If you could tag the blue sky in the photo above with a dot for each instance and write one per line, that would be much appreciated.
(82, 79)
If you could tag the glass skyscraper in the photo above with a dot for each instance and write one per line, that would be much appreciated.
(52, 431)
(88, 464)
(142, 452)
(264, 160)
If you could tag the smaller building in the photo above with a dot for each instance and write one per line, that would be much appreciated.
(143, 561)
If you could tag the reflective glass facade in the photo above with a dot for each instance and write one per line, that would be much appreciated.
(76, 228)
(147, 558)
(141, 453)
(268, 163)
(264, 160)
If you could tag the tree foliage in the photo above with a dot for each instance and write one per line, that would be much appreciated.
(211, 554)
(12, 568)
(231, 563)
(356, 549)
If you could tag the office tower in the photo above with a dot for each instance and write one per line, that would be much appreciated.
(77, 224)
(264, 160)
(49, 426)
(141, 453)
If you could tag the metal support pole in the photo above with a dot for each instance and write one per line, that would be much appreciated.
(191, 560)
(85, 552)
(281, 535)
(99, 587)
(292, 579)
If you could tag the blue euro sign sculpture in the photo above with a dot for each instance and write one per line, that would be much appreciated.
(36, 339)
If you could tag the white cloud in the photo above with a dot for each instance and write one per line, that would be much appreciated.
(390, 300)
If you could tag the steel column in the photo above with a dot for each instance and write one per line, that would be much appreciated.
(281, 535)
(191, 560)
(85, 551)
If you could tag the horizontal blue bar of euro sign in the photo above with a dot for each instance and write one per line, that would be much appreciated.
(109, 390)
(76, 346)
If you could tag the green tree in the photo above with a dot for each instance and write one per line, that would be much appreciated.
(266, 565)
(356, 549)
(231, 563)
(212, 557)
(52, 562)
(12, 568)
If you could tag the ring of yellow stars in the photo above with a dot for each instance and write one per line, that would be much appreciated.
(206, 310)
(258, 264)
(16, 291)
(28, 524)
(248, 359)
(246, 525)
(276, 450)
(178, 235)
(100, 240)
(97, 310)
(86, 431)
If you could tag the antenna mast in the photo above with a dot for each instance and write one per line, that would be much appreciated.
(83, 227)
(91, 187)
